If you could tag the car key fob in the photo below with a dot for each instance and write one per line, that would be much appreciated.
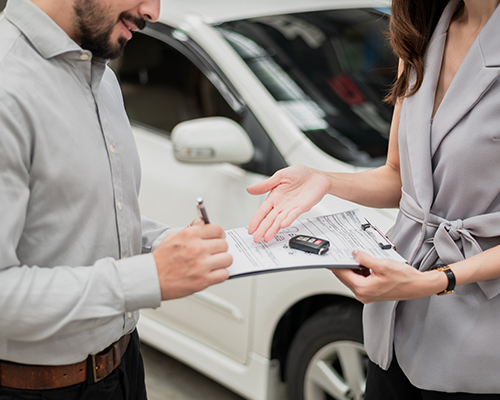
(309, 244)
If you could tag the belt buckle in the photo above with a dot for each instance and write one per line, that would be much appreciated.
(94, 370)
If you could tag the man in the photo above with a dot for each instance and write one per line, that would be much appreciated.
(72, 276)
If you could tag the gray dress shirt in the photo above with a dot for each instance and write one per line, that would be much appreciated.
(450, 210)
(71, 274)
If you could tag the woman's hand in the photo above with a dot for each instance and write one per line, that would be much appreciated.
(293, 191)
(390, 280)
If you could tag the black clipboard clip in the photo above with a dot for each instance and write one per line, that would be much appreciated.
(383, 246)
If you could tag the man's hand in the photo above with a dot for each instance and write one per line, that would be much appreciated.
(293, 191)
(191, 260)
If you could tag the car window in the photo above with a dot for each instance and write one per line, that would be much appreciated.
(161, 87)
(329, 71)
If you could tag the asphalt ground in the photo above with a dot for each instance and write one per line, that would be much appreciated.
(169, 379)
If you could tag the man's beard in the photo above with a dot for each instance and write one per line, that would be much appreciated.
(96, 26)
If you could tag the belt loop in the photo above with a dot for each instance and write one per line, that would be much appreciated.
(90, 370)
(116, 355)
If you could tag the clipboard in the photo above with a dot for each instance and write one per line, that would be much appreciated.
(346, 232)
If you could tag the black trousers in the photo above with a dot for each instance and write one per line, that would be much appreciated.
(394, 385)
(125, 383)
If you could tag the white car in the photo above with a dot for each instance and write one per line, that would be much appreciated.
(257, 86)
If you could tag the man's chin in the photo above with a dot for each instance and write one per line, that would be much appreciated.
(108, 51)
(117, 53)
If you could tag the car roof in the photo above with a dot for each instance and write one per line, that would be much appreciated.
(216, 11)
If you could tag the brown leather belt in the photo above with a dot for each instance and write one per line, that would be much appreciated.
(42, 377)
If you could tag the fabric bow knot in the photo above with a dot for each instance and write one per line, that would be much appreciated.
(454, 228)
(453, 241)
(456, 240)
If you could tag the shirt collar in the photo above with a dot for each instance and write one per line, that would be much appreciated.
(43, 33)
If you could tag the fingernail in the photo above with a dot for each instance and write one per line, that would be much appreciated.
(354, 253)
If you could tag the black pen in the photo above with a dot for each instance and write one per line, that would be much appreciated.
(203, 211)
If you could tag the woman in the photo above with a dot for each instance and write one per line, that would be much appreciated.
(442, 172)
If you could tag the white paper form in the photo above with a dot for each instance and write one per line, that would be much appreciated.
(345, 231)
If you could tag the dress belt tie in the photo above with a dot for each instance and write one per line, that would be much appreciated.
(449, 234)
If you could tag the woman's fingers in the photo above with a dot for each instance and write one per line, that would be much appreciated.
(275, 227)
(265, 225)
(260, 215)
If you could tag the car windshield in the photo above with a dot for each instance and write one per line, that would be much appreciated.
(329, 71)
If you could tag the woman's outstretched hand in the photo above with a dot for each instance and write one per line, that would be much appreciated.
(293, 191)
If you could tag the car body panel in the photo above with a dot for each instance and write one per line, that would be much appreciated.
(218, 317)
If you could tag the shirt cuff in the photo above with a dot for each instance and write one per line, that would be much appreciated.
(140, 282)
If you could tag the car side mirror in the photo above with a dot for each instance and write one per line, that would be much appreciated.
(211, 140)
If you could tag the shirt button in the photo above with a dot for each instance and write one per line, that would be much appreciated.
(111, 148)
(84, 57)
(119, 205)
(129, 315)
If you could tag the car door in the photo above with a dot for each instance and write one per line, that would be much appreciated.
(166, 79)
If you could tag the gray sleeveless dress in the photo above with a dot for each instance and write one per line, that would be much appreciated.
(450, 210)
